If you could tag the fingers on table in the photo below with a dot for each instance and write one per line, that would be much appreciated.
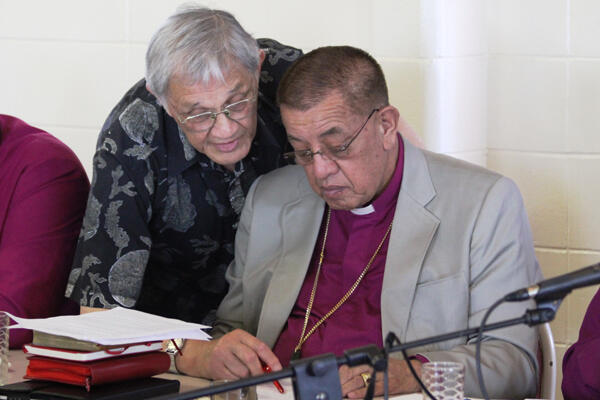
(239, 355)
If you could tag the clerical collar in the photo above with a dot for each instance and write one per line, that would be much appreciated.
(363, 210)
(389, 195)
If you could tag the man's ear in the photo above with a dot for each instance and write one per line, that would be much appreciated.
(389, 116)
(150, 90)
(261, 58)
(165, 106)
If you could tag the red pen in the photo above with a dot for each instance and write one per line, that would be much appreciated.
(267, 369)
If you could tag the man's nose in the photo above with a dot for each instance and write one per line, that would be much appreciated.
(322, 166)
(223, 126)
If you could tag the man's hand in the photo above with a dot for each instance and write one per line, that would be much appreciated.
(400, 379)
(85, 310)
(236, 355)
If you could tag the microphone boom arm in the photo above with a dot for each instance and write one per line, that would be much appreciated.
(318, 378)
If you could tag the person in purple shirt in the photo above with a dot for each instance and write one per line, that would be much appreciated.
(581, 363)
(43, 192)
(368, 235)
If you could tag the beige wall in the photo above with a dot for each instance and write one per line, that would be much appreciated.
(511, 84)
(543, 131)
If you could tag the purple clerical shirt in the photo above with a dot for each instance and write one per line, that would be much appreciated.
(43, 192)
(352, 240)
(581, 363)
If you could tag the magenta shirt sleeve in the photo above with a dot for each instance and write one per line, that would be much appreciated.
(421, 358)
(40, 230)
(581, 380)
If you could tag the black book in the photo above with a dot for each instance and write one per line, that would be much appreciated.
(21, 390)
(125, 390)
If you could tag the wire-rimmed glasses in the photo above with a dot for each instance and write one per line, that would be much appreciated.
(204, 121)
(305, 157)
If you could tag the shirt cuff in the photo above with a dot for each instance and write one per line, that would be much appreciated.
(420, 357)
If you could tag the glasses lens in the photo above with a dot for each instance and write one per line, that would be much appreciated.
(239, 108)
(238, 111)
(200, 122)
(299, 157)
(338, 152)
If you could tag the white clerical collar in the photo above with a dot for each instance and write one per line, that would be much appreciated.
(363, 210)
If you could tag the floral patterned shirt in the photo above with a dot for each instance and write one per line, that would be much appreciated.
(161, 217)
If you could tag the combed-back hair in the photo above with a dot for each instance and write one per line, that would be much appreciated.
(350, 71)
(199, 44)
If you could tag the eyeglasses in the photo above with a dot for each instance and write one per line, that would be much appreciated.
(204, 122)
(305, 157)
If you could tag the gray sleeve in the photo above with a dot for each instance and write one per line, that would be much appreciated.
(231, 311)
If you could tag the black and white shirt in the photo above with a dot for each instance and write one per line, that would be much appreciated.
(161, 217)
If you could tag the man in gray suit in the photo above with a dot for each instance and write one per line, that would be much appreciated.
(367, 235)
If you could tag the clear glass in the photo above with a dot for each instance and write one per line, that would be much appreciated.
(444, 380)
(4, 322)
(237, 394)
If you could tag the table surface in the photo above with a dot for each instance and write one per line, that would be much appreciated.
(18, 365)
(18, 361)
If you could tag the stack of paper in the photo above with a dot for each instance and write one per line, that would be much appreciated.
(115, 327)
(101, 347)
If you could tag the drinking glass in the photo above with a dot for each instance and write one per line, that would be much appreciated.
(444, 380)
(236, 394)
(4, 322)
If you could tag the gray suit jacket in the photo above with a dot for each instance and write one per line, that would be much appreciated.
(460, 241)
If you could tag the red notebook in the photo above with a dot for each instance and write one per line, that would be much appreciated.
(92, 373)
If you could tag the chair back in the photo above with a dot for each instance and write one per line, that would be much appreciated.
(547, 363)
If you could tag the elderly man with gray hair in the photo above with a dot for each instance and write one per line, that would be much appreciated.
(173, 164)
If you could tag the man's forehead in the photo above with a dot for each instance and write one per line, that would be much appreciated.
(189, 93)
(325, 119)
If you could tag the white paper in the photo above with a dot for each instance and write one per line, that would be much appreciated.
(115, 326)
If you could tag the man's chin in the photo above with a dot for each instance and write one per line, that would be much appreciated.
(228, 158)
(339, 204)
(343, 202)
(336, 199)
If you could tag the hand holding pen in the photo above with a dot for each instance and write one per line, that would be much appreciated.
(267, 369)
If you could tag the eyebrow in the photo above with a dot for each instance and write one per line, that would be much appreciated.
(329, 132)
(233, 91)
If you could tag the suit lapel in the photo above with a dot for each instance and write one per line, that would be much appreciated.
(300, 228)
(412, 233)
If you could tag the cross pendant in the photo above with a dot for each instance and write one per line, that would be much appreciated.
(296, 355)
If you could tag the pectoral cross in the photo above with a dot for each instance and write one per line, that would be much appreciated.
(296, 355)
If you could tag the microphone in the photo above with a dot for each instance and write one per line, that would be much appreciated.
(559, 286)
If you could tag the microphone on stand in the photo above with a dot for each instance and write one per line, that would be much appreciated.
(559, 286)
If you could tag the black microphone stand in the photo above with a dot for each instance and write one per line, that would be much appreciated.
(317, 378)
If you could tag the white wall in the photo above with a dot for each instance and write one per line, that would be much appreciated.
(543, 130)
(66, 63)
(514, 84)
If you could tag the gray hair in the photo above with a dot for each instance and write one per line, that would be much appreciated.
(199, 44)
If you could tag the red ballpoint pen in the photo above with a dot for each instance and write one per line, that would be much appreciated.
(267, 369)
